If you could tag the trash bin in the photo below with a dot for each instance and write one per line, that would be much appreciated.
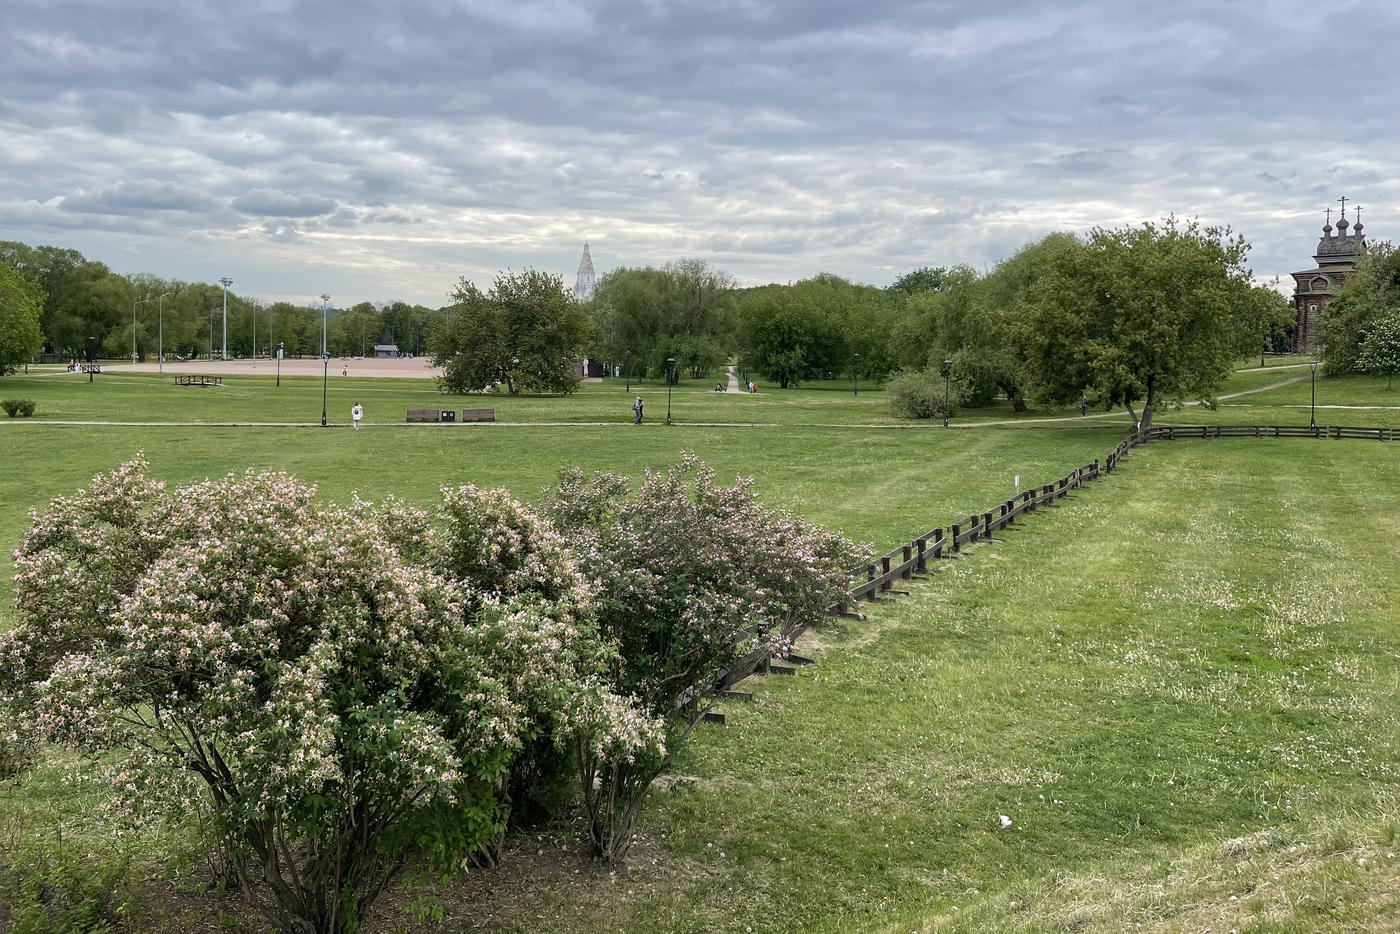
(448, 415)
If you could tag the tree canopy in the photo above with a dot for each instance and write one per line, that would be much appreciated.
(526, 334)
(1370, 293)
(21, 303)
(1137, 315)
(682, 310)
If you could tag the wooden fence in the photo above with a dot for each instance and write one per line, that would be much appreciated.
(911, 559)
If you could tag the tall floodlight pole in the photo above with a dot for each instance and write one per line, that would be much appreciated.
(325, 379)
(279, 364)
(255, 330)
(325, 303)
(855, 371)
(225, 282)
(160, 331)
(134, 303)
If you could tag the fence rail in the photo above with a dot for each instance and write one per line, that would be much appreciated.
(911, 559)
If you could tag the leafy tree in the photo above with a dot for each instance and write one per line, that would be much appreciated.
(1380, 350)
(21, 303)
(921, 281)
(683, 310)
(1370, 293)
(793, 333)
(627, 317)
(527, 334)
(1137, 315)
(358, 329)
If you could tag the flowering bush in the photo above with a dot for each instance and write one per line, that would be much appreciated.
(692, 577)
(300, 669)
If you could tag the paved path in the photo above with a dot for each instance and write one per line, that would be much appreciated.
(733, 381)
(910, 426)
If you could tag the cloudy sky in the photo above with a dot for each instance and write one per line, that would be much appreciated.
(379, 150)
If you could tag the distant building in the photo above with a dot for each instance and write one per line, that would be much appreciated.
(1336, 255)
(586, 284)
(386, 350)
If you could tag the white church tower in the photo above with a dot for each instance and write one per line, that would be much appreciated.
(585, 284)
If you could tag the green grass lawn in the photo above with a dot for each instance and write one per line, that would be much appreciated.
(1179, 685)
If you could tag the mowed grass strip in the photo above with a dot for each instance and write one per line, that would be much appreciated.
(1194, 657)
(880, 487)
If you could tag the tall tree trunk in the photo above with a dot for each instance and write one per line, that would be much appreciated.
(1148, 405)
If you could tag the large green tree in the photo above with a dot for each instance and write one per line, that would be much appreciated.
(683, 311)
(526, 334)
(796, 332)
(1138, 315)
(21, 303)
(1370, 293)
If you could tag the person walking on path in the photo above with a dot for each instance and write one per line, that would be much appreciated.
(637, 411)
(357, 413)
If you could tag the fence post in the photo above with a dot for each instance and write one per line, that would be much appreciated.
(908, 553)
(885, 572)
(938, 542)
(1096, 468)
(986, 525)
(870, 576)
(957, 530)
(922, 563)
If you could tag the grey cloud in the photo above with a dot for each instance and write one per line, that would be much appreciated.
(137, 197)
(777, 138)
(271, 202)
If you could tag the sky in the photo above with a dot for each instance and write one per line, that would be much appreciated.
(381, 150)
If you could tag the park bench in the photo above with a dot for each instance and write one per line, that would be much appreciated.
(199, 381)
(450, 415)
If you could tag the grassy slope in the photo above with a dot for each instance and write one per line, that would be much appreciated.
(1180, 687)
(1116, 656)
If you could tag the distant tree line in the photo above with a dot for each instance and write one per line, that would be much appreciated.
(1132, 317)
(84, 308)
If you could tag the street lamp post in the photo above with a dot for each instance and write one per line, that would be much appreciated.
(255, 331)
(325, 379)
(947, 378)
(325, 300)
(160, 332)
(225, 282)
(1312, 422)
(279, 364)
(134, 303)
(670, 378)
(211, 332)
(855, 372)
